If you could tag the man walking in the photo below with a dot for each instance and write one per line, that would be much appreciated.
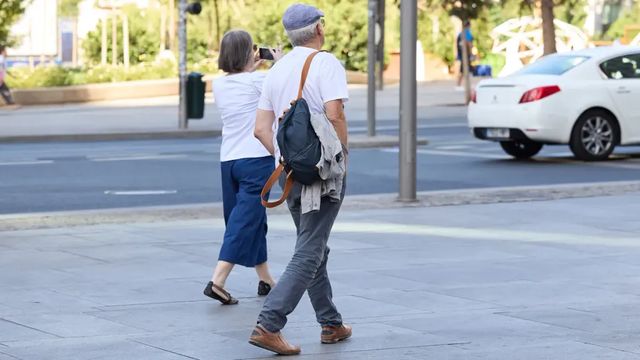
(325, 91)
(4, 89)
(466, 32)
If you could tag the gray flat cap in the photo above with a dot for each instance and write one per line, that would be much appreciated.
(298, 16)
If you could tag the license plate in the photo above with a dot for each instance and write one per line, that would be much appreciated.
(498, 133)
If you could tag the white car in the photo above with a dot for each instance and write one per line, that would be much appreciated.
(588, 99)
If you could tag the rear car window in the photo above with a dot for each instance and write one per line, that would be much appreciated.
(623, 67)
(553, 65)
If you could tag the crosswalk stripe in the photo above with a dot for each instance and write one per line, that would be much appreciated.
(35, 162)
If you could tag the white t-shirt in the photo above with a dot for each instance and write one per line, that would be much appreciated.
(237, 96)
(326, 81)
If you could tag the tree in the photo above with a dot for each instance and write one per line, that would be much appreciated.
(548, 27)
(68, 8)
(10, 11)
(144, 37)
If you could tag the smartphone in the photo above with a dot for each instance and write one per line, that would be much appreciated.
(265, 54)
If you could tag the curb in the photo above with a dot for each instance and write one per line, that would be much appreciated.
(355, 142)
(177, 134)
(351, 203)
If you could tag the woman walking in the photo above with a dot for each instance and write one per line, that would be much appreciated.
(245, 164)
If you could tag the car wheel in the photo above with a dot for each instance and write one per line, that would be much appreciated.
(521, 149)
(594, 136)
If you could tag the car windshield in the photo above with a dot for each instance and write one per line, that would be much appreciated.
(553, 65)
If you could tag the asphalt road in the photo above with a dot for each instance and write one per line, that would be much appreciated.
(73, 176)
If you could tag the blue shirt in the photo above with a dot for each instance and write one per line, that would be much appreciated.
(467, 31)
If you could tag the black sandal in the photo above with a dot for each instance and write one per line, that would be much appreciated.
(226, 300)
(263, 288)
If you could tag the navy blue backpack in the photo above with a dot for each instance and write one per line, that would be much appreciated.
(300, 147)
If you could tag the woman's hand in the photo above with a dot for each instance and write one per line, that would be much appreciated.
(256, 64)
(277, 53)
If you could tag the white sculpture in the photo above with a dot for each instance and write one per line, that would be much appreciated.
(520, 40)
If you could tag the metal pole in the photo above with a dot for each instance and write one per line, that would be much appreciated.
(371, 70)
(381, 16)
(182, 67)
(408, 87)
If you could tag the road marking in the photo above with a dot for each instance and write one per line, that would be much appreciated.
(463, 154)
(453, 153)
(135, 158)
(141, 192)
(36, 162)
(629, 164)
(468, 233)
(396, 127)
(452, 147)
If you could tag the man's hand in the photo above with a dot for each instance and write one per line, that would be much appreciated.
(264, 129)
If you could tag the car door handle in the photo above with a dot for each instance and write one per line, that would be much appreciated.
(623, 90)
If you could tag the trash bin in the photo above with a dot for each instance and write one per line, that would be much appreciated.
(195, 96)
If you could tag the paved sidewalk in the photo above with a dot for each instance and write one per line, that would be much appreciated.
(158, 117)
(528, 280)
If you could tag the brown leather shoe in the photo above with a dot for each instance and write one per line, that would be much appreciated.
(334, 334)
(274, 342)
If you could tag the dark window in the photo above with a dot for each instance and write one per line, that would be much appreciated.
(553, 65)
(623, 67)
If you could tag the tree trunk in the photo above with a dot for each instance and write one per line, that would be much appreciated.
(172, 25)
(103, 46)
(125, 40)
(210, 34)
(548, 27)
(114, 35)
(217, 16)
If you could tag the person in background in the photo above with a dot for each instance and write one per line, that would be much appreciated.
(460, 43)
(245, 163)
(5, 92)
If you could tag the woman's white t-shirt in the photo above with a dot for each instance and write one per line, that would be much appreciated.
(237, 96)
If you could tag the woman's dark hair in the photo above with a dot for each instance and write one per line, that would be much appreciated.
(236, 51)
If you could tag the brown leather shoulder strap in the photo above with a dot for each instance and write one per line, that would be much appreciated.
(269, 184)
(305, 72)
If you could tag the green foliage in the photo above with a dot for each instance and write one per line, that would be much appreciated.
(345, 28)
(41, 76)
(631, 17)
(48, 76)
(436, 33)
(572, 11)
(10, 11)
(68, 8)
(496, 61)
(346, 31)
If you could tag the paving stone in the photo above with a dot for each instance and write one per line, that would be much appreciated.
(95, 349)
(12, 331)
(551, 350)
(71, 325)
(530, 293)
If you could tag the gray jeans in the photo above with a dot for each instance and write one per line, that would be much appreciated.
(307, 270)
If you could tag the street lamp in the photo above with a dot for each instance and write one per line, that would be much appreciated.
(185, 8)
